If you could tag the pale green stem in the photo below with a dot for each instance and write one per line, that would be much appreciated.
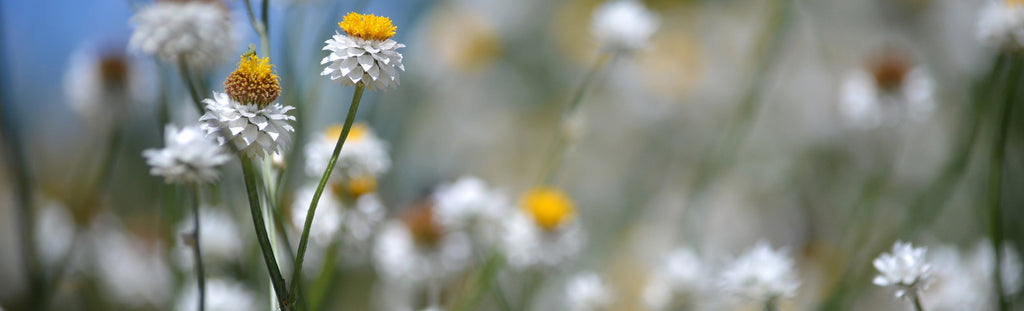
(196, 250)
(260, 25)
(995, 180)
(304, 239)
(277, 281)
(482, 281)
(917, 303)
(187, 76)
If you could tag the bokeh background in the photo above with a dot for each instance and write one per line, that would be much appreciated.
(673, 149)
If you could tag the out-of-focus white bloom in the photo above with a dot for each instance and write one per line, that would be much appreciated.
(221, 295)
(1001, 24)
(905, 269)
(412, 251)
(219, 237)
(254, 131)
(680, 274)
(356, 223)
(200, 32)
(54, 232)
(982, 263)
(365, 53)
(130, 270)
(955, 286)
(100, 86)
(188, 157)
(326, 221)
(623, 25)
(891, 91)
(467, 201)
(587, 292)
(761, 275)
(543, 231)
(364, 154)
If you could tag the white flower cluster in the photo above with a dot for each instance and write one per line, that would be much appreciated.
(761, 275)
(587, 292)
(199, 32)
(364, 154)
(189, 157)
(904, 269)
(1001, 24)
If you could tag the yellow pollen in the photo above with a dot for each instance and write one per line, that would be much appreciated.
(254, 81)
(358, 132)
(549, 207)
(368, 26)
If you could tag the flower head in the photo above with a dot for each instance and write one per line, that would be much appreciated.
(253, 131)
(1001, 24)
(198, 32)
(888, 90)
(254, 81)
(587, 292)
(101, 85)
(624, 25)
(352, 222)
(365, 54)
(461, 203)
(526, 244)
(364, 158)
(416, 249)
(189, 156)
(549, 207)
(681, 273)
(761, 275)
(905, 269)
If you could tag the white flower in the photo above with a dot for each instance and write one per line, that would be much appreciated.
(866, 103)
(54, 232)
(587, 292)
(526, 244)
(623, 25)
(188, 157)
(326, 220)
(356, 223)
(132, 271)
(1001, 24)
(680, 274)
(218, 238)
(101, 86)
(982, 263)
(253, 131)
(364, 53)
(466, 201)
(761, 275)
(905, 269)
(364, 154)
(200, 32)
(398, 258)
(221, 295)
(955, 285)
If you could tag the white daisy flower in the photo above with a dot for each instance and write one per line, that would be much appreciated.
(101, 86)
(188, 157)
(200, 32)
(623, 25)
(680, 276)
(587, 292)
(221, 295)
(1001, 24)
(254, 131)
(364, 154)
(469, 204)
(416, 249)
(218, 238)
(365, 53)
(761, 275)
(905, 269)
(890, 91)
(542, 232)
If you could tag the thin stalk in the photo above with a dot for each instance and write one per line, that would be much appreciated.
(187, 76)
(771, 305)
(536, 279)
(995, 179)
(557, 152)
(482, 281)
(196, 250)
(324, 281)
(260, 25)
(917, 303)
(280, 288)
(304, 239)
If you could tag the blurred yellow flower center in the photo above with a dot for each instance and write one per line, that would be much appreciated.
(358, 132)
(362, 185)
(368, 26)
(253, 82)
(1014, 2)
(549, 207)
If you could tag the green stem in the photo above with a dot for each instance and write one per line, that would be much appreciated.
(196, 250)
(536, 279)
(481, 283)
(557, 153)
(995, 179)
(323, 283)
(187, 76)
(771, 305)
(917, 303)
(280, 288)
(304, 239)
(260, 25)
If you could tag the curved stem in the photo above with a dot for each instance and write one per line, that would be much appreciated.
(187, 76)
(304, 239)
(196, 251)
(276, 279)
(260, 25)
(995, 179)
(917, 303)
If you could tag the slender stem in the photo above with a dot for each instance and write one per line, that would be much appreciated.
(557, 152)
(187, 76)
(771, 305)
(280, 288)
(917, 303)
(260, 25)
(196, 249)
(536, 279)
(304, 239)
(481, 283)
(995, 178)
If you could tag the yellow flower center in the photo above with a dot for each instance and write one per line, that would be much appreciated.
(358, 132)
(549, 207)
(368, 26)
(254, 81)
(1012, 3)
